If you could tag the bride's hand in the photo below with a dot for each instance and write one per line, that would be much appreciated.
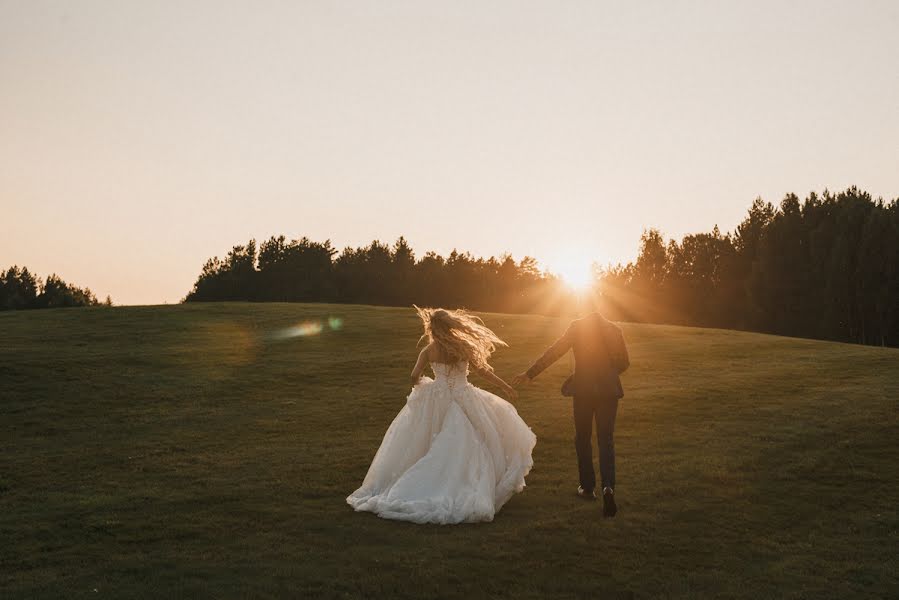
(512, 394)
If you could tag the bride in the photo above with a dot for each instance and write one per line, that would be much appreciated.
(454, 453)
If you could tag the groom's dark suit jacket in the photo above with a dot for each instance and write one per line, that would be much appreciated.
(600, 355)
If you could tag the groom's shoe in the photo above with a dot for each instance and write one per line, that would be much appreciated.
(581, 492)
(609, 508)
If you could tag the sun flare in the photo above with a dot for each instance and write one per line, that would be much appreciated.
(577, 273)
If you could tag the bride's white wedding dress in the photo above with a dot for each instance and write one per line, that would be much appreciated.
(454, 453)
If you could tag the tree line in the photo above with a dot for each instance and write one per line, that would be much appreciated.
(21, 289)
(281, 270)
(826, 267)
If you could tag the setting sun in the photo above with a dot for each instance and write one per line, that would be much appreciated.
(576, 272)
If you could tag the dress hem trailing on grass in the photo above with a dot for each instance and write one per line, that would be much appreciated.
(454, 454)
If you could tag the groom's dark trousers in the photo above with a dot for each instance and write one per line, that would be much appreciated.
(600, 356)
(587, 411)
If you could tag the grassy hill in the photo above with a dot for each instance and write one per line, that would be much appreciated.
(202, 451)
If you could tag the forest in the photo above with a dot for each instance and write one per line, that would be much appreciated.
(825, 267)
(21, 289)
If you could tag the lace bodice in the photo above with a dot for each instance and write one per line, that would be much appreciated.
(455, 374)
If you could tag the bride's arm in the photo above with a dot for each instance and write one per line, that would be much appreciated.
(420, 364)
(497, 381)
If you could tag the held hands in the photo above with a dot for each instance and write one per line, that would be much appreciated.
(516, 382)
(520, 379)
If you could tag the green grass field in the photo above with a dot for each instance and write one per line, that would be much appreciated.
(189, 451)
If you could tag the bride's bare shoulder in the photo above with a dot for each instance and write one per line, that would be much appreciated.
(431, 351)
(436, 354)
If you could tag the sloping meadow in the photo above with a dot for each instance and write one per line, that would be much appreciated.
(206, 450)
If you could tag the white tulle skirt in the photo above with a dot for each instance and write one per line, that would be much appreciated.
(453, 454)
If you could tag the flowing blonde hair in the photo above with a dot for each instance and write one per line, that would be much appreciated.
(459, 335)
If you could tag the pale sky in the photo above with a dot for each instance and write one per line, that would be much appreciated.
(138, 139)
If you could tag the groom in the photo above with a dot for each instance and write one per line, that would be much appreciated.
(600, 355)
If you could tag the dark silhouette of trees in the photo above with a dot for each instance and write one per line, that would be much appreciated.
(826, 267)
(20, 289)
(291, 271)
(233, 278)
(380, 274)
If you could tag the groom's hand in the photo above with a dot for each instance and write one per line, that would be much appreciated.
(521, 378)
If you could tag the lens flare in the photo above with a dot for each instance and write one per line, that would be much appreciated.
(308, 328)
(304, 329)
